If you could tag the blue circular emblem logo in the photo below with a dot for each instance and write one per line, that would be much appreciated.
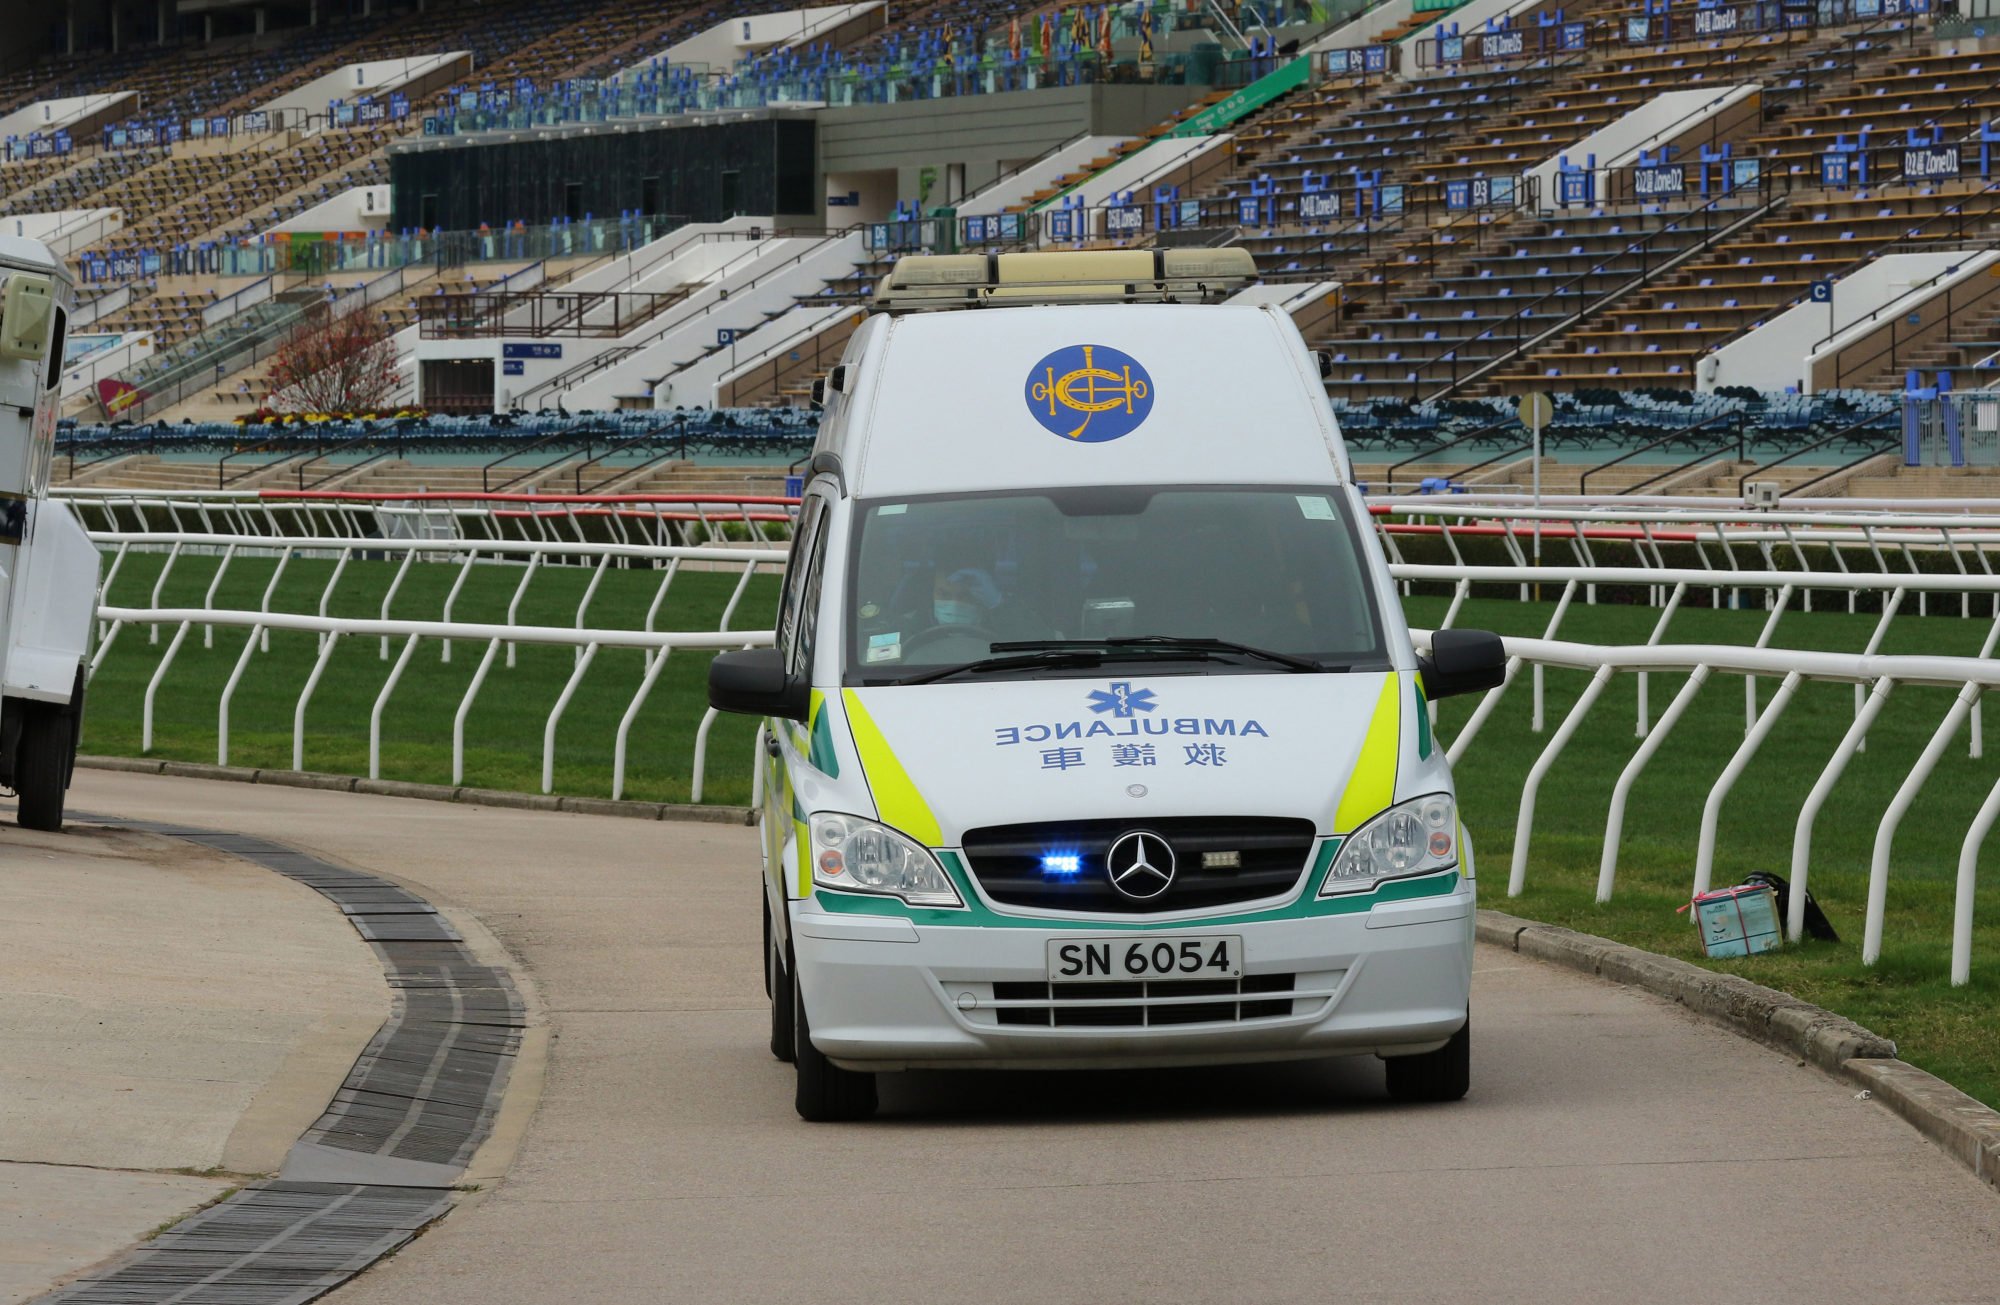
(1090, 393)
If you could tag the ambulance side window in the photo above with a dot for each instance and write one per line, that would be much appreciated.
(798, 661)
(804, 541)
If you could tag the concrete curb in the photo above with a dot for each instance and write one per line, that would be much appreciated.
(1963, 1127)
(484, 797)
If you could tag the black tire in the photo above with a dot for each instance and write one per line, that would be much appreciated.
(778, 983)
(1441, 1075)
(826, 1092)
(41, 766)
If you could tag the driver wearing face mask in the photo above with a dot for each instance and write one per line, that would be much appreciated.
(963, 596)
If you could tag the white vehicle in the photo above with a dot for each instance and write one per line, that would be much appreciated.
(1095, 736)
(48, 566)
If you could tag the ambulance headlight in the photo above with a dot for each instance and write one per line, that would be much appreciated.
(1410, 838)
(861, 856)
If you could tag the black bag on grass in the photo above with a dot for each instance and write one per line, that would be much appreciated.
(1817, 925)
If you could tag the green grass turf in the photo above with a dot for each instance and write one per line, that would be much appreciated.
(1953, 1032)
(503, 736)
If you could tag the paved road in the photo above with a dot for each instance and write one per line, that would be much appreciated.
(166, 1012)
(1613, 1148)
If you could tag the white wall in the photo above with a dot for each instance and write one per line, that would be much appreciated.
(723, 44)
(66, 230)
(1137, 172)
(677, 258)
(125, 350)
(1778, 352)
(1663, 118)
(1366, 27)
(874, 192)
(1289, 295)
(1009, 191)
(703, 264)
(1470, 18)
(627, 270)
(357, 79)
(51, 115)
(693, 323)
(359, 208)
(791, 329)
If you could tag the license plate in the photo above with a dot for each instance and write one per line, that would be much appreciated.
(1127, 959)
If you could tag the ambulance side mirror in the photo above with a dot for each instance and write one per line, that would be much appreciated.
(1463, 661)
(753, 682)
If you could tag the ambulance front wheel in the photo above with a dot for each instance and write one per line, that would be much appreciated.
(41, 766)
(826, 1092)
(1441, 1075)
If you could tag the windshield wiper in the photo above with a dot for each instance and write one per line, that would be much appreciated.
(1039, 657)
(1167, 645)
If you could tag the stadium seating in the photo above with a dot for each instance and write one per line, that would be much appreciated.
(1454, 276)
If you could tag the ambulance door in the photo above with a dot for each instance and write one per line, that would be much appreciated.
(786, 743)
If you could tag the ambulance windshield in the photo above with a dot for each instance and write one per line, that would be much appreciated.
(1027, 583)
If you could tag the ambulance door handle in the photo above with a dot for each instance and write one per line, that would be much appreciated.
(771, 742)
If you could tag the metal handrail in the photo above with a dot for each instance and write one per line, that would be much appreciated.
(1712, 447)
(486, 472)
(1453, 442)
(1844, 432)
(616, 446)
(223, 480)
(1524, 344)
(570, 377)
(1886, 447)
(1956, 210)
(343, 446)
(1583, 481)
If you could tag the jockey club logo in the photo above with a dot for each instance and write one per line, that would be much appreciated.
(1089, 393)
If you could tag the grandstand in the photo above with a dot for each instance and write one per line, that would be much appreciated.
(1739, 242)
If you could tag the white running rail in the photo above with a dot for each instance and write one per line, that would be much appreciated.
(531, 556)
(1773, 562)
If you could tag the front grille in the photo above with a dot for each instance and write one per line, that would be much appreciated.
(1143, 1005)
(1271, 853)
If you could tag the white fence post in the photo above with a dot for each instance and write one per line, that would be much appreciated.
(1524, 822)
(1711, 811)
(1885, 833)
(1802, 834)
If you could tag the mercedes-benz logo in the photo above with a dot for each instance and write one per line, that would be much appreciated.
(1140, 865)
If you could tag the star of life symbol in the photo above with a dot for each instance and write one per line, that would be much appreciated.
(1140, 865)
(1121, 699)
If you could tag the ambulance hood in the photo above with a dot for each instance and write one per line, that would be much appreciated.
(1136, 745)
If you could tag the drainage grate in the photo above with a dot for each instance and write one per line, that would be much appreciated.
(418, 1102)
(271, 1244)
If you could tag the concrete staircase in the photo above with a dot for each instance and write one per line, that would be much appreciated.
(698, 478)
(1887, 478)
(395, 476)
(144, 471)
(1118, 153)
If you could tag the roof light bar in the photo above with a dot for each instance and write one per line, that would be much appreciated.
(921, 281)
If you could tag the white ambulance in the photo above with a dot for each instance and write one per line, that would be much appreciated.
(48, 566)
(1095, 737)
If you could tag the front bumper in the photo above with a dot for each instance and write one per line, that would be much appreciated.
(885, 993)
